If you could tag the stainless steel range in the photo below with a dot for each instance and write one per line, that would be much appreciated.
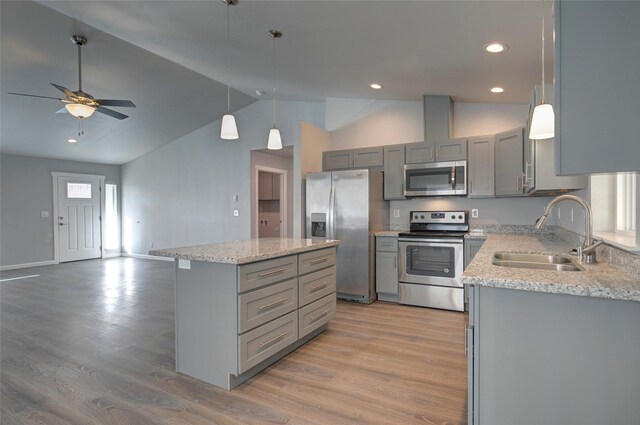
(431, 258)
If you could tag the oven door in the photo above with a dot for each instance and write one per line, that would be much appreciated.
(431, 262)
(435, 179)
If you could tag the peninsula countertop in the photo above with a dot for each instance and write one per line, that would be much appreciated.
(247, 251)
(600, 280)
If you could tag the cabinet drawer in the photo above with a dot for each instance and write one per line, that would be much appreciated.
(260, 306)
(316, 260)
(263, 342)
(386, 244)
(255, 275)
(316, 285)
(316, 314)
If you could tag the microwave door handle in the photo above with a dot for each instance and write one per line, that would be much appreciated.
(453, 177)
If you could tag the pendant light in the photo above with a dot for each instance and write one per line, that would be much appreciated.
(228, 129)
(275, 141)
(543, 120)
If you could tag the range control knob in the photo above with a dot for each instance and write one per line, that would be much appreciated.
(415, 217)
(453, 217)
(422, 217)
(460, 217)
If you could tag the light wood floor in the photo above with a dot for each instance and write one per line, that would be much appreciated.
(92, 342)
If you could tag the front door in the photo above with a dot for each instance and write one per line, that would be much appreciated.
(78, 218)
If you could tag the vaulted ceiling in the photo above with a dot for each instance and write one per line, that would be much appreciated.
(169, 58)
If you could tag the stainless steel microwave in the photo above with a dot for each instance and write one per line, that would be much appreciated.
(436, 179)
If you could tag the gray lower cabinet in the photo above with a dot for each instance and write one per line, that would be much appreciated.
(451, 150)
(481, 167)
(471, 248)
(509, 149)
(353, 158)
(232, 321)
(416, 153)
(394, 172)
(387, 268)
(542, 358)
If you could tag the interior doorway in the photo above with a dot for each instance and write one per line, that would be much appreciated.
(78, 205)
(271, 193)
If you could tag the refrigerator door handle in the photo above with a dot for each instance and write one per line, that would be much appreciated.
(331, 218)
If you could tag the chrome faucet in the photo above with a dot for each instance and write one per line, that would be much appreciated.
(586, 252)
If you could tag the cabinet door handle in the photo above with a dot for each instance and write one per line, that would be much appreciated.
(272, 340)
(467, 329)
(470, 186)
(318, 287)
(319, 316)
(318, 261)
(272, 304)
(271, 273)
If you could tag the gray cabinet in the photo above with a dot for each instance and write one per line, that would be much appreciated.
(481, 167)
(387, 268)
(268, 186)
(597, 63)
(394, 172)
(509, 147)
(451, 150)
(352, 158)
(471, 248)
(416, 153)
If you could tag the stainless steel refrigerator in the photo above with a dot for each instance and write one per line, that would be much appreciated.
(349, 206)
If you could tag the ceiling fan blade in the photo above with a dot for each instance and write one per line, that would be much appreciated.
(62, 110)
(64, 90)
(111, 113)
(115, 102)
(33, 95)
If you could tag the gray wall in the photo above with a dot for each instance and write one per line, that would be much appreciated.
(182, 193)
(26, 189)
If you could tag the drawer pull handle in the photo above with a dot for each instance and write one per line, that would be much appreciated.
(263, 307)
(272, 340)
(317, 288)
(319, 316)
(318, 261)
(271, 273)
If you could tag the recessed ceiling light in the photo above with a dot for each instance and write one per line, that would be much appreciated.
(72, 140)
(375, 86)
(496, 47)
(497, 90)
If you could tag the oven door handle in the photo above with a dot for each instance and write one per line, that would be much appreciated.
(431, 242)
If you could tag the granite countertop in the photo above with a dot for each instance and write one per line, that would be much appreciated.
(600, 280)
(243, 252)
(391, 233)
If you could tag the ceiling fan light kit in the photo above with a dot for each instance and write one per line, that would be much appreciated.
(229, 129)
(543, 119)
(80, 110)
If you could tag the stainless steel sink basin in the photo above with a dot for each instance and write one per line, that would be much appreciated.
(519, 260)
(532, 258)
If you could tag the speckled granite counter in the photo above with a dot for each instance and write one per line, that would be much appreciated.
(600, 280)
(243, 252)
(388, 233)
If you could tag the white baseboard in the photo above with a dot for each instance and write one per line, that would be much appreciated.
(27, 265)
(148, 257)
(112, 255)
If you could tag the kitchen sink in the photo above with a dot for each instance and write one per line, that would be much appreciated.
(520, 260)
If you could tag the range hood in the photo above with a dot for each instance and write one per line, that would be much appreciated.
(438, 118)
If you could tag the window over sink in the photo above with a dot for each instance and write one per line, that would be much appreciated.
(615, 214)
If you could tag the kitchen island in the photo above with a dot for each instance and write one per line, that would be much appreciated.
(548, 346)
(241, 306)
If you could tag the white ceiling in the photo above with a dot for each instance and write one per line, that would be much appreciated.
(329, 49)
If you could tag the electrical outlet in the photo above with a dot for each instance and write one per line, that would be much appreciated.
(236, 213)
(474, 213)
(150, 244)
(396, 213)
(44, 214)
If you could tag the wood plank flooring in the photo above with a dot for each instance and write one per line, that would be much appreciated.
(92, 342)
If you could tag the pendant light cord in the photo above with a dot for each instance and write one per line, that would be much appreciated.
(543, 97)
(274, 79)
(228, 66)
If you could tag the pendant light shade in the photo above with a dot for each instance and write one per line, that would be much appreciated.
(229, 129)
(80, 110)
(543, 121)
(275, 141)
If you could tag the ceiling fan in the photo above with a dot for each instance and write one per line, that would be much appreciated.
(80, 104)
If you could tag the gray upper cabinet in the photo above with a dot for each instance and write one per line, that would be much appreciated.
(597, 63)
(352, 158)
(481, 167)
(416, 153)
(509, 147)
(394, 172)
(268, 186)
(451, 150)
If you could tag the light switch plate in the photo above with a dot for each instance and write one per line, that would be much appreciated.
(184, 264)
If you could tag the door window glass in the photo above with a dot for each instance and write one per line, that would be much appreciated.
(78, 190)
